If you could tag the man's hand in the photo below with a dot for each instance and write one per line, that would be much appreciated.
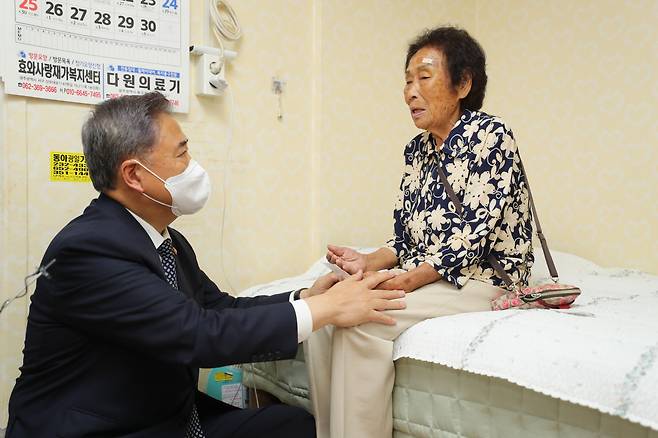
(353, 301)
(349, 260)
(320, 286)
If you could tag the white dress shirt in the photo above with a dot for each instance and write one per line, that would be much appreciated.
(302, 311)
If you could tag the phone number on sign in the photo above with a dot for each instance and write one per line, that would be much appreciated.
(37, 87)
(84, 93)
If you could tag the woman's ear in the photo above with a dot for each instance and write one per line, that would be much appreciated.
(130, 174)
(465, 86)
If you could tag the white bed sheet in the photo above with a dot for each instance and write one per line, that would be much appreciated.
(602, 353)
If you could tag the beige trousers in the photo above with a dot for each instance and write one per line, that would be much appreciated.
(351, 371)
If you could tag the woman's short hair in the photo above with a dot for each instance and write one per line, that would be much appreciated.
(119, 129)
(464, 56)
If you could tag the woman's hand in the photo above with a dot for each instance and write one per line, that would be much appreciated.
(349, 260)
(399, 282)
(320, 286)
(411, 280)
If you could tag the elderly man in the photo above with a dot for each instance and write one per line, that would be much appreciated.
(117, 332)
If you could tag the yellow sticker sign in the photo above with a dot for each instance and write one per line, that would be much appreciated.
(223, 376)
(69, 167)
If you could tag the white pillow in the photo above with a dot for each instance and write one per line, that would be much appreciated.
(568, 266)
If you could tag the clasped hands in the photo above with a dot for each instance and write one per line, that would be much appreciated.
(364, 295)
(353, 261)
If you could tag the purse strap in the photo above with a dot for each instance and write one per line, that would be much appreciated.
(490, 258)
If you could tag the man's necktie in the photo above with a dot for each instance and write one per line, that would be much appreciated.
(166, 251)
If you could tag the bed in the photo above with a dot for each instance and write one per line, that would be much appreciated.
(588, 371)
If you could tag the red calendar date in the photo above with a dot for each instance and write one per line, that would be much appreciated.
(28, 5)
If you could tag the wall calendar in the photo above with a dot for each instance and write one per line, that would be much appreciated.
(91, 50)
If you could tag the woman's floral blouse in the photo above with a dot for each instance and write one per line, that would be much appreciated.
(481, 162)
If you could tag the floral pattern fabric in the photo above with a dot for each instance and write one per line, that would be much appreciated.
(481, 161)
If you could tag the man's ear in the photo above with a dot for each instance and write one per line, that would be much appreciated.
(131, 175)
(465, 86)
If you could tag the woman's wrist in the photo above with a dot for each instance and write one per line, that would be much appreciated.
(420, 276)
(383, 258)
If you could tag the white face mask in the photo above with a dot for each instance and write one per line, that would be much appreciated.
(189, 190)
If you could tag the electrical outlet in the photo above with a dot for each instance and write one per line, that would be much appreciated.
(209, 83)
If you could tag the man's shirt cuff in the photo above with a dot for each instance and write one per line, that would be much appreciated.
(304, 318)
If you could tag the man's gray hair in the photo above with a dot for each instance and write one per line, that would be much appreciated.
(119, 129)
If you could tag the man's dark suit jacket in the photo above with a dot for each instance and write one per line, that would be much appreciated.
(112, 350)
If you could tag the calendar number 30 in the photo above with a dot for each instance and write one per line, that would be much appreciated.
(30, 5)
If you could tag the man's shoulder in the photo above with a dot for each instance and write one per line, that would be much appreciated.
(101, 225)
(79, 228)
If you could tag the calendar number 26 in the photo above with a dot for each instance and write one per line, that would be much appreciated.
(170, 4)
(30, 5)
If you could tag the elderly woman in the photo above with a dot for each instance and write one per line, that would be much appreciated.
(442, 254)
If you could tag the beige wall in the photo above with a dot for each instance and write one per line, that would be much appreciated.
(576, 80)
(573, 80)
(363, 121)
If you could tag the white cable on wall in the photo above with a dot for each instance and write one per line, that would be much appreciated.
(225, 23)
(227, 26)
(225, 20)
(227, 157)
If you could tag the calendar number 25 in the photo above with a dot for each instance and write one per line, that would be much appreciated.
(30, 5)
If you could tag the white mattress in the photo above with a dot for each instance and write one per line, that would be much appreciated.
(602, 354)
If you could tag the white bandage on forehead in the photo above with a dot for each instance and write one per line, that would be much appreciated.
(428, 61)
